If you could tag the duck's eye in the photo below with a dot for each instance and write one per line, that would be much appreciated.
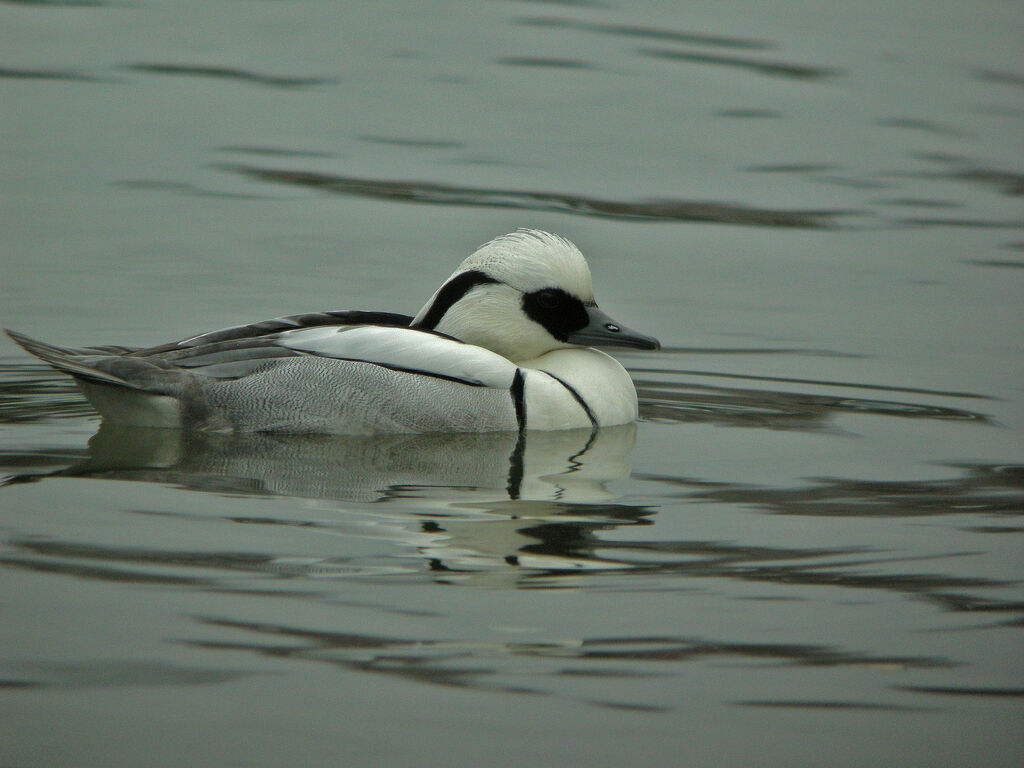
(549, 299)
(558, 311)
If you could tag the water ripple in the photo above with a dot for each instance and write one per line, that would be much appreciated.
(113, 674)
(11, 73)
(483, 664)
(433, 193)
(57, 3)
(759, 66)
(830, 705)
(413, 142)
(1016, 693)
(230, 73)
(545, 62)
(1000, 76)
(645, 33)
(673, 399)
(31, 392)
(963, 169)
(980, 489)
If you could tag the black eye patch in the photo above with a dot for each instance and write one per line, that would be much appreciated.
(549, 299)
(559, 312)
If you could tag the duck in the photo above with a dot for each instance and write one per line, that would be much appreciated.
(507, 343)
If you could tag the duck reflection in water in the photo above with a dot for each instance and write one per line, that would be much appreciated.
(568, 465)
(463, 501)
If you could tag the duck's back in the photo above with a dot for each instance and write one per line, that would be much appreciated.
(302, 374)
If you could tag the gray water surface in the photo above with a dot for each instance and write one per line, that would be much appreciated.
(807, 552)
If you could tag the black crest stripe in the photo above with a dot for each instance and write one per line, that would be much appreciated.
(579, 399)
(450, 293)
(519, 398)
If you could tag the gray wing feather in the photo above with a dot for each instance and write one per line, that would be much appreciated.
(288, 323)
(230, 353)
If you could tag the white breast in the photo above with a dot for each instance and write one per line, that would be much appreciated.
(580, 387)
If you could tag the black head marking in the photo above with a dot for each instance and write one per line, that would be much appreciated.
(559, 312)
(450, 293)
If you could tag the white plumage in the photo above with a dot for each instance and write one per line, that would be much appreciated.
(504, 344)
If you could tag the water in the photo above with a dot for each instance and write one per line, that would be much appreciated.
(808, 552)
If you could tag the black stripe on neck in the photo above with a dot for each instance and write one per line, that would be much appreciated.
(450, 293)
(579, 399)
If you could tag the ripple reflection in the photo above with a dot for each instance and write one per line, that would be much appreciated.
(485, 664)
(229, 73)
(433, 193)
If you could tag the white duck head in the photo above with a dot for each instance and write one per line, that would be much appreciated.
(522, 295)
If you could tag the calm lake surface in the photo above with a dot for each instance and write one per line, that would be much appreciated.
(808, 551)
